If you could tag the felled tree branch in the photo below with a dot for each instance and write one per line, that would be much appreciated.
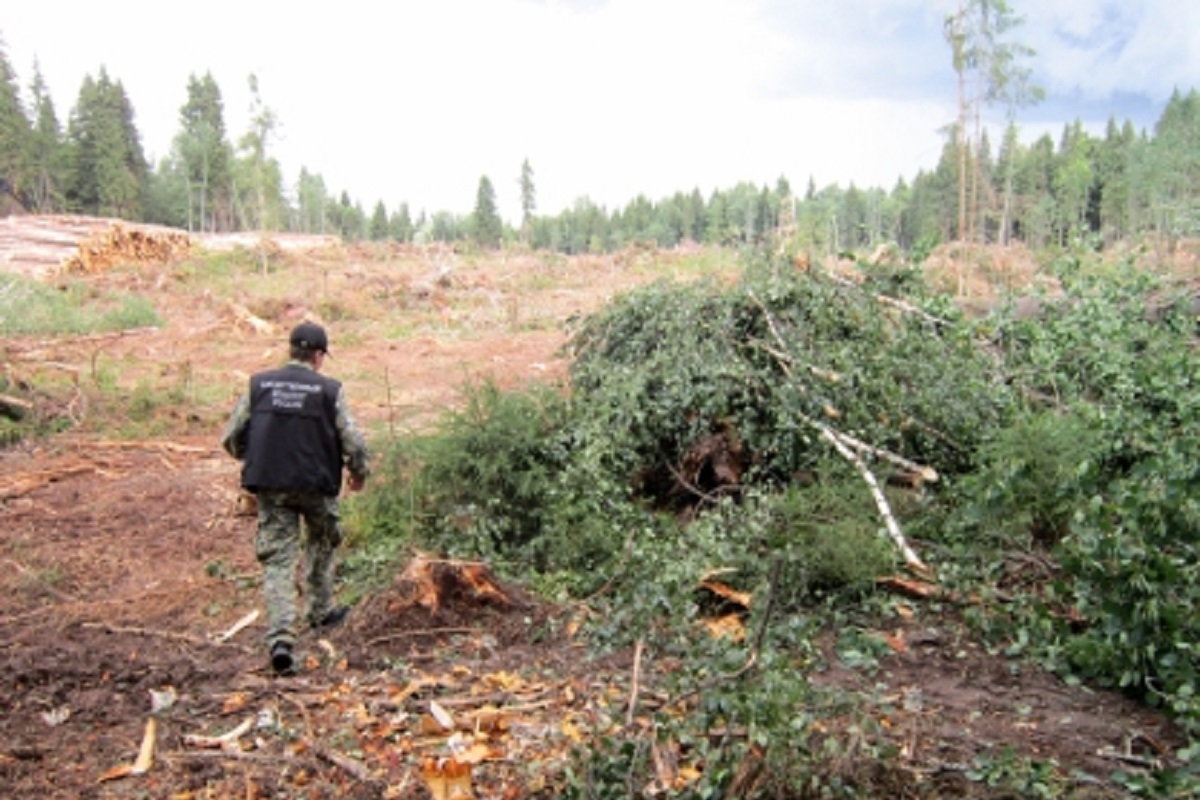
(907, 308)
(927, 473)
(846, 446)
(893, 528)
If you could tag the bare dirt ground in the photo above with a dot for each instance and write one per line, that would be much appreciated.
(125, 569)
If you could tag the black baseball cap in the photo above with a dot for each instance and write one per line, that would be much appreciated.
(310, 336)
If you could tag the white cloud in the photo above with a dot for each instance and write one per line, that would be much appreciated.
(415, 100)
(1097, 47)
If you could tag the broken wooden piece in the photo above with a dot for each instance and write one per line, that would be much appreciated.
(222, 741)
(893, 528)
(238, 626)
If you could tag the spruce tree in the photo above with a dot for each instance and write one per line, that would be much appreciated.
(487, 228)
(379, 222)
(107, 168)
(400, 226)
(167, 195)
(47, 157)
(1112, 174)
(15, 138)
(528, 200)
(312, 200)
(1175, 159)
(202, 147)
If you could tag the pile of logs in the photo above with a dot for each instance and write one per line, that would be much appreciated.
(40, 245)
(119, 244)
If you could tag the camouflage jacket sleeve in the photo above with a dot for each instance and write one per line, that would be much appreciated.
(234, 438)
(354, 447)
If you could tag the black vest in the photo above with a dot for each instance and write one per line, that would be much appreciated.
(293, 442)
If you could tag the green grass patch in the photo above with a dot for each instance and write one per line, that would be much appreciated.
(31, 308)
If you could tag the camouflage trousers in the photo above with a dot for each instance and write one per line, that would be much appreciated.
(278, 546)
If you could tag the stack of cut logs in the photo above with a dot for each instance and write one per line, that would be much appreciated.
(119, 244)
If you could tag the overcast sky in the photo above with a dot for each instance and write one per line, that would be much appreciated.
(414, 100)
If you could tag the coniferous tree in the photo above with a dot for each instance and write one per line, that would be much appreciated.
(378, 230)
(899, 203)
(957, 33)
(590, 231)
(446, 227)
(1113, 157)
(83, 142)
(486, 226)
(698, 214)
(352, 222)
(935, 200)
(767, 212)
(1073, 181)
(780, 196)
(15, 138)
(332, 216)
(528, 200)
(716, 220)
(1036, 218)
(131, 203)
(813, 219)
(204, 152)
(1175, 160)
(400, 225)
(167, 200)
(637, 219)
(107, 168)
(312, 201)
(1010, 154)
(679, 218)
(46, 156)
(852, 220)
(985, 213)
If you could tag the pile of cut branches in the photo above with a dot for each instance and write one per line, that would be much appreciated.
(789, 370)
(769, 431)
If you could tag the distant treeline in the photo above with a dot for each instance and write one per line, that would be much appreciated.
(1082, 189)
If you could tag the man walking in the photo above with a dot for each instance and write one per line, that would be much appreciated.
(294, 434)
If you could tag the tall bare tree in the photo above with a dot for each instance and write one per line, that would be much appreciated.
(991, 70)
(260, 172)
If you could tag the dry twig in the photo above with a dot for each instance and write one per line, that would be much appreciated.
(391, 637)
(172, 635)
(636, 681)
(353, 767)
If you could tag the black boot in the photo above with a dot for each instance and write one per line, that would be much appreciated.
(333, 618)
(282, 660)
